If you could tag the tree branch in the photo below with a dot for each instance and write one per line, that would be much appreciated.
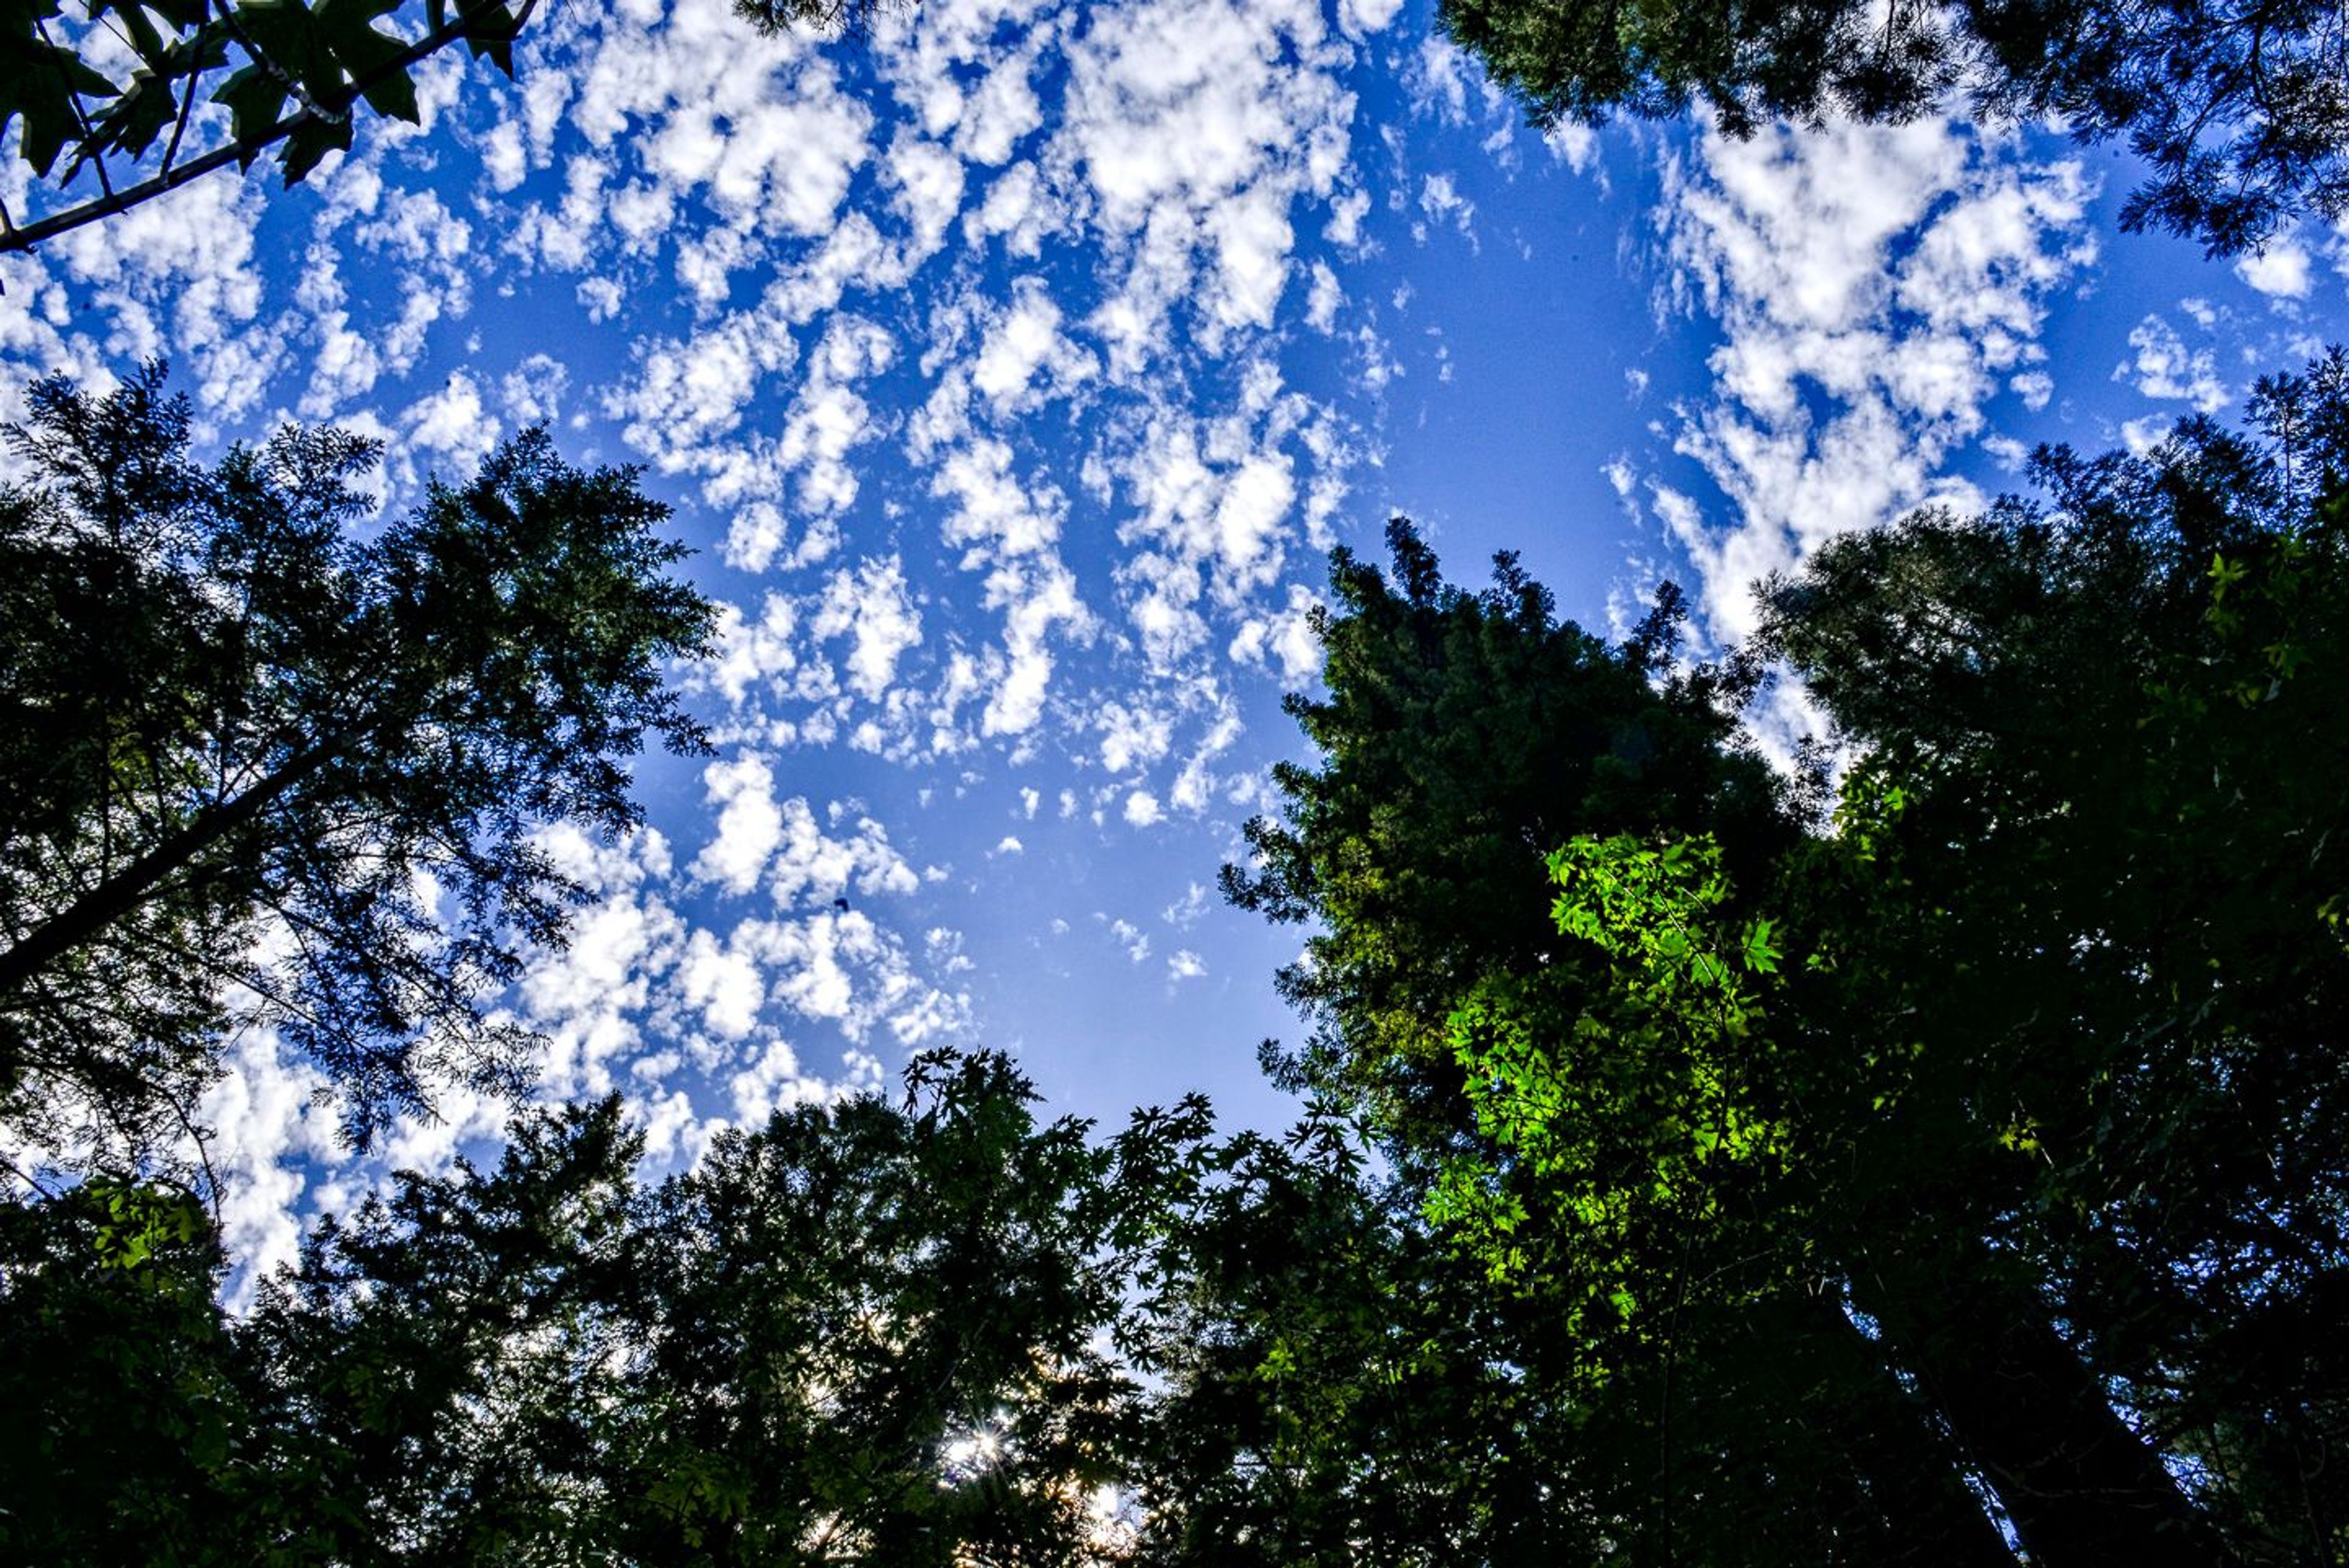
(245, 149)
(115, 897)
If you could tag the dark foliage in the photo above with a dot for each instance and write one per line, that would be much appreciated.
(871, 1332)
(1464, 736)
(2242, 110)
(257, 762)
(1960, 1141)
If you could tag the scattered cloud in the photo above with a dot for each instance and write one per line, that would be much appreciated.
(2280, 269)
(1874, 288)
(1014, 368)
(2163, 367)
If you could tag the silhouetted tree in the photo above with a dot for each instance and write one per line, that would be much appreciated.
(257, 762)
(2240, 111)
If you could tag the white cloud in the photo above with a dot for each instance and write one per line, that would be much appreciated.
(180, 277)
(772, 1082)
(1130, 937)
(1185, 912)
(770, 143)
(841, 968)
(2280, 269)
(724, 984)
(687, 395)
(1361, 16)
(1439, 77)
(750, 823)
(1213, 501)
(828, 419)
(994, 515)
(1009, 530)
(871, 606)
(590, 996)
(2163, 367)
(267, 1112)
(2141, 435)
(1018, 210)
(748, 655)
(1875, 288)
(1574, 144)
(1324, 299)
(533, 391)
(1441, 202)
(814, 866)
(1282, 638)
(1197, 779)
(454, 423)
(1022, 342)
(1132, 738)
(1193, 126)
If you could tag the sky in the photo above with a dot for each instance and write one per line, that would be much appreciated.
(1012, 371)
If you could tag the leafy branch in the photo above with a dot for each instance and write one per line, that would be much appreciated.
(325, 62)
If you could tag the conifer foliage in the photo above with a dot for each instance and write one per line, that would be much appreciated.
(257, 761)
(1984, 1132)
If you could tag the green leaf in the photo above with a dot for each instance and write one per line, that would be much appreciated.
(395, 94)
(132, 123)
(284, 32)
(254, 99)
(310, 143)
(345, 28)
(38, 83)
(2224, 574)
(208, 1444)
(144, 38)
(492, 34)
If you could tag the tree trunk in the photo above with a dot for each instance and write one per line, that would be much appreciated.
(87, 917)
(1910, 1471)
(2081, 1489)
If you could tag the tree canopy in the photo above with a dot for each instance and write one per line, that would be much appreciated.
(1997, 1113)
(254, 764)
(2241, 111)
(244, 79)
(864, 1334)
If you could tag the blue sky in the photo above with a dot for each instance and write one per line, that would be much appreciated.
(1013, 371)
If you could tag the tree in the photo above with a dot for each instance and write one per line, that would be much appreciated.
(1986, 1133)
(128, 1398)
(2096, 778)
(833, 16)
(885, 1335)
(256, 765)
(868, 1332)
(1465, 736)
(1338, 1385)
(2240, 111)
(1461, 734)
